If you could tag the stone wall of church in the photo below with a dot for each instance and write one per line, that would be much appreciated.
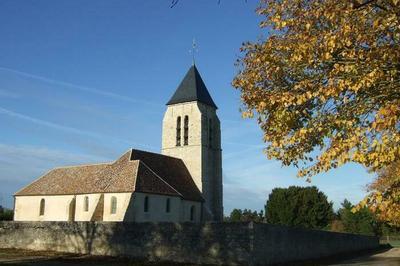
(56, 208)
(129, 208)
(179, 210)
(208, 243)
(81, 214)
(203, 159)
(191, 153)
(123, 202)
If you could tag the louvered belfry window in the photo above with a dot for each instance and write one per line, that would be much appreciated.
(186, 131)
(168, 206)
(192, 213)
(178, 131)
(146, 204)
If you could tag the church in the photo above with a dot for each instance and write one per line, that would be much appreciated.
(182, 184)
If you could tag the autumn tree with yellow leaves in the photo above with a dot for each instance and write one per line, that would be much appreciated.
(325, 84)
(384, 195)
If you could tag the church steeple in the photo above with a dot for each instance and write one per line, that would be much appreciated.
(192, 132)
(192, 88)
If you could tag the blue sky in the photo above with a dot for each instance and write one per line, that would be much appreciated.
(84, 81)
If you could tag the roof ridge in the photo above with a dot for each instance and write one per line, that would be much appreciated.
(81, 165)
(91, 164)
(160, 154)
(159, 177)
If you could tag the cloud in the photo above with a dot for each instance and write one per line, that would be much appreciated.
(240, 197)
(45, 123)
(66, 128)
(16, 153)
(21, 164)
(9, 94)
(80, 87)
(240, 151)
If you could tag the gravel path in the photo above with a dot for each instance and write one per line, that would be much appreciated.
(41, 258)
(37, 258)
(387, 258)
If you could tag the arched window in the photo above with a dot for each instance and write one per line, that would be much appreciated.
(86, 204)
(192, 213)
(42, 207)
(146, 204)
(210, 133)
(186, 131)
(113, 205)
(178, 131)
(168, 205)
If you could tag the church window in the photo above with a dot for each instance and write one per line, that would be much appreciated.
(178, 131)
(86, 204)
(210, 133)
(186, 131)
(113, 205)
(168, 206)
(192, 213)
(146, 204)
(42, 207)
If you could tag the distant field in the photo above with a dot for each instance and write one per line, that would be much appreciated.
(394, 242)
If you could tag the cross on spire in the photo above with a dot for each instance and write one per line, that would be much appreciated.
(193, 50)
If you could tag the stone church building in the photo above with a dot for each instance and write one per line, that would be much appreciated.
(183, 183)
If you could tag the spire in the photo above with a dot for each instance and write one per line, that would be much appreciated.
(193, 50)
(192, 88)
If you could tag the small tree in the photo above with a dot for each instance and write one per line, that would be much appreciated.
(6, 214)
(298, 206)
(362, 221)
(236, 215)
(247, 215)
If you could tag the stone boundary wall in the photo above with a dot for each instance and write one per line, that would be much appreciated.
(208, 243)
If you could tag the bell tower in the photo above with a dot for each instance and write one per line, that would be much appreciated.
(191, 131)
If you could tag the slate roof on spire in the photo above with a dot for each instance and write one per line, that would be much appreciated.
(192, 88)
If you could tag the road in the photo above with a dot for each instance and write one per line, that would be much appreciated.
(386, 258)
(31, 258)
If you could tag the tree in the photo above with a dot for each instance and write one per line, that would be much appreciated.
(324, 85)
(384, 195)
(362, 221)
(298, 206)
(237, 215)
(6, 214)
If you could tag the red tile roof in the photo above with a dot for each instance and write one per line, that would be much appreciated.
(134, 171)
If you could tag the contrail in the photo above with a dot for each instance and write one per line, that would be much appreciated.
(66, 128)
(79, 87)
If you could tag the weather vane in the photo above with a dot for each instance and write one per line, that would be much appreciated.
(193, 50)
